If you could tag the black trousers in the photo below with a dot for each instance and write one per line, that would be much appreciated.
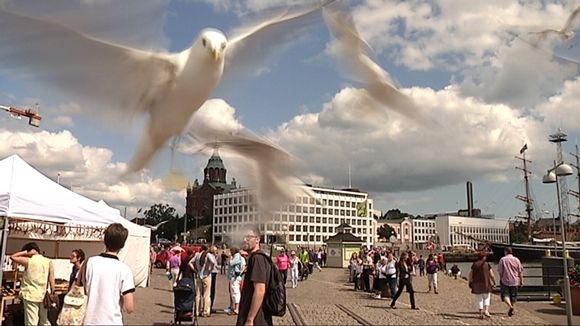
(405, 282)
(284, 275)
(366, 279)
(212, 289)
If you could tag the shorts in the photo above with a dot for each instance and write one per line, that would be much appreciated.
(509, 291)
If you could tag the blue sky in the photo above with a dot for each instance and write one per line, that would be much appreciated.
(459, 60)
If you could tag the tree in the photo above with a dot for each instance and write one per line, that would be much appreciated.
(385, 232)
(518, 237)
(159, 213)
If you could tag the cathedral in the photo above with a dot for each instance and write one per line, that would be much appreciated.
(199, 200)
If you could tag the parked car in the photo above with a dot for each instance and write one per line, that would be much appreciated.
(163, 255)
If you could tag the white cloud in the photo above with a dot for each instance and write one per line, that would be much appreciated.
(87, 170)
(474, 140)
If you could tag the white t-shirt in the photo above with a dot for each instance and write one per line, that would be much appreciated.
(107, 280)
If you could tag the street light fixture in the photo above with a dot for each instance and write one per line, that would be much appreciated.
(551, 176)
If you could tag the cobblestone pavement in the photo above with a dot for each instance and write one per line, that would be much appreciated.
(316, 300)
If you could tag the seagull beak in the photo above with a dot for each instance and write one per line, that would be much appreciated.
(216, 54)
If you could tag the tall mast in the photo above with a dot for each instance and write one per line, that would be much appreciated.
(526, 199)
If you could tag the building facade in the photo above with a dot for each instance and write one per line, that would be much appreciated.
(199, 198)
(304, 222)
(424, 232)
(469, 231)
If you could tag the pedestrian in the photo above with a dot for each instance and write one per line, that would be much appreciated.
(38, 276)
(324, 258)
(282, 262)
(368, 268)
(432, 269)
(421, 265)
(172, 267)
(77, 257)
(481, 281)
(203, 267)
(224, 260)
(294, 266)
(511, 277)
(318, 262)
(351, 266)
(255, 281)
(391, 271)
(358, 272)
(108, 281)
(235, 273)
(214, 271)
(405, 269)
(185, 269)
(455, 271)
(380, 277)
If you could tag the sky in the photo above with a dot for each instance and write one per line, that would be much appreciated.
(468, 65)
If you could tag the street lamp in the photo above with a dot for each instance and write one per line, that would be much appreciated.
(551, 176)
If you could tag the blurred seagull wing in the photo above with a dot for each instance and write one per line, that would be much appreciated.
(112, 76)
(355, 54)
(249, 46)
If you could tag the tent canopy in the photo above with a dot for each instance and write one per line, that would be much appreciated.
(28, 194)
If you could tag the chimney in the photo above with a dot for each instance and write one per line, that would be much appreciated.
(469, 199)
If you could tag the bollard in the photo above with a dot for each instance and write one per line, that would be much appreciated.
(556, 299)
(567, 253)
(548, 253)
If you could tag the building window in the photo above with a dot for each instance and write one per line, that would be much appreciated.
(311, 228)
(317, 219)
(298, 237)
(291, 237)
(324, 220)
(324, 229)
(318, 229)
(298, 228)
(317, 238)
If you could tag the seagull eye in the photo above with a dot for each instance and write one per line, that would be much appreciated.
(203, 42)
(223, 46)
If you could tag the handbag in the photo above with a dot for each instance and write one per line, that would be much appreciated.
(50, 301)
(74, 307)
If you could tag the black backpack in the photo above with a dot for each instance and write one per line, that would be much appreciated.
(275, 301)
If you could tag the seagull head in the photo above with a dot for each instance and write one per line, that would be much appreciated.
(214, 42)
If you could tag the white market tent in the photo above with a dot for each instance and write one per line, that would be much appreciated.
(61, 220)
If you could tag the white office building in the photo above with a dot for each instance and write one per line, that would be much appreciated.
(304, 222)
(424, 230)
(460, 230)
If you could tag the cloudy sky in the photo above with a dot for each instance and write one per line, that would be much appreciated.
(487, 91)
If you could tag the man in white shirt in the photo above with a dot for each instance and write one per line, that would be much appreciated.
(108, 282)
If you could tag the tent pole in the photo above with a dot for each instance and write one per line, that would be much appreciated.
(3, 250)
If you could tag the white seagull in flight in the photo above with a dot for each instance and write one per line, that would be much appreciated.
(168, 87)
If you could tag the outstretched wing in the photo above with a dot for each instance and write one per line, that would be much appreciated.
(355, 54)
(571, 20)
(114, 77)
(250, 46)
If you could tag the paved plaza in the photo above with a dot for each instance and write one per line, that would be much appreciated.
(319, 301)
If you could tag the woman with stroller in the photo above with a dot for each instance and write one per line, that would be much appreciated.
(294, 266)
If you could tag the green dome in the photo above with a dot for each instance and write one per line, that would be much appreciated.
(215, 162)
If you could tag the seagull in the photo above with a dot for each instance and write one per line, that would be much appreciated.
(355, 53)
(565, 33)
(155, 227)
(167, 87)
(271, 167)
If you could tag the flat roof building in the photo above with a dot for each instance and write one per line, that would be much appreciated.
(304, 222)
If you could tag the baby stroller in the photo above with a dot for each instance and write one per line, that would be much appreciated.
(184, 301)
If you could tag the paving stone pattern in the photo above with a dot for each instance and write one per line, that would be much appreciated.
(317, 297)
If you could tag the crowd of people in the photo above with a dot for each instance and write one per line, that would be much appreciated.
(239, 265)
(391, 276)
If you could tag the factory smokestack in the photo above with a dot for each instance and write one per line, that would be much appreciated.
(469, 199)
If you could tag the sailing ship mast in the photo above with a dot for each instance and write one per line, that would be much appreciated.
(526, 199)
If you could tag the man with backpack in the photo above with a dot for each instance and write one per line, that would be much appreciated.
(256, 280)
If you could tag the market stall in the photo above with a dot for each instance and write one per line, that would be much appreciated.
(34, 208)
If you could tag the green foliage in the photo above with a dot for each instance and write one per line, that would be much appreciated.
(163, 212)
(518, 237)
(385, 231)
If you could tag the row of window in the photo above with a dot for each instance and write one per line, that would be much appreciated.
(298, 228)
(424, 231)
(424, 224)
(293, 219)
(478, 230)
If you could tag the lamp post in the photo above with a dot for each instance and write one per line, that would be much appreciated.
(560, 170)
